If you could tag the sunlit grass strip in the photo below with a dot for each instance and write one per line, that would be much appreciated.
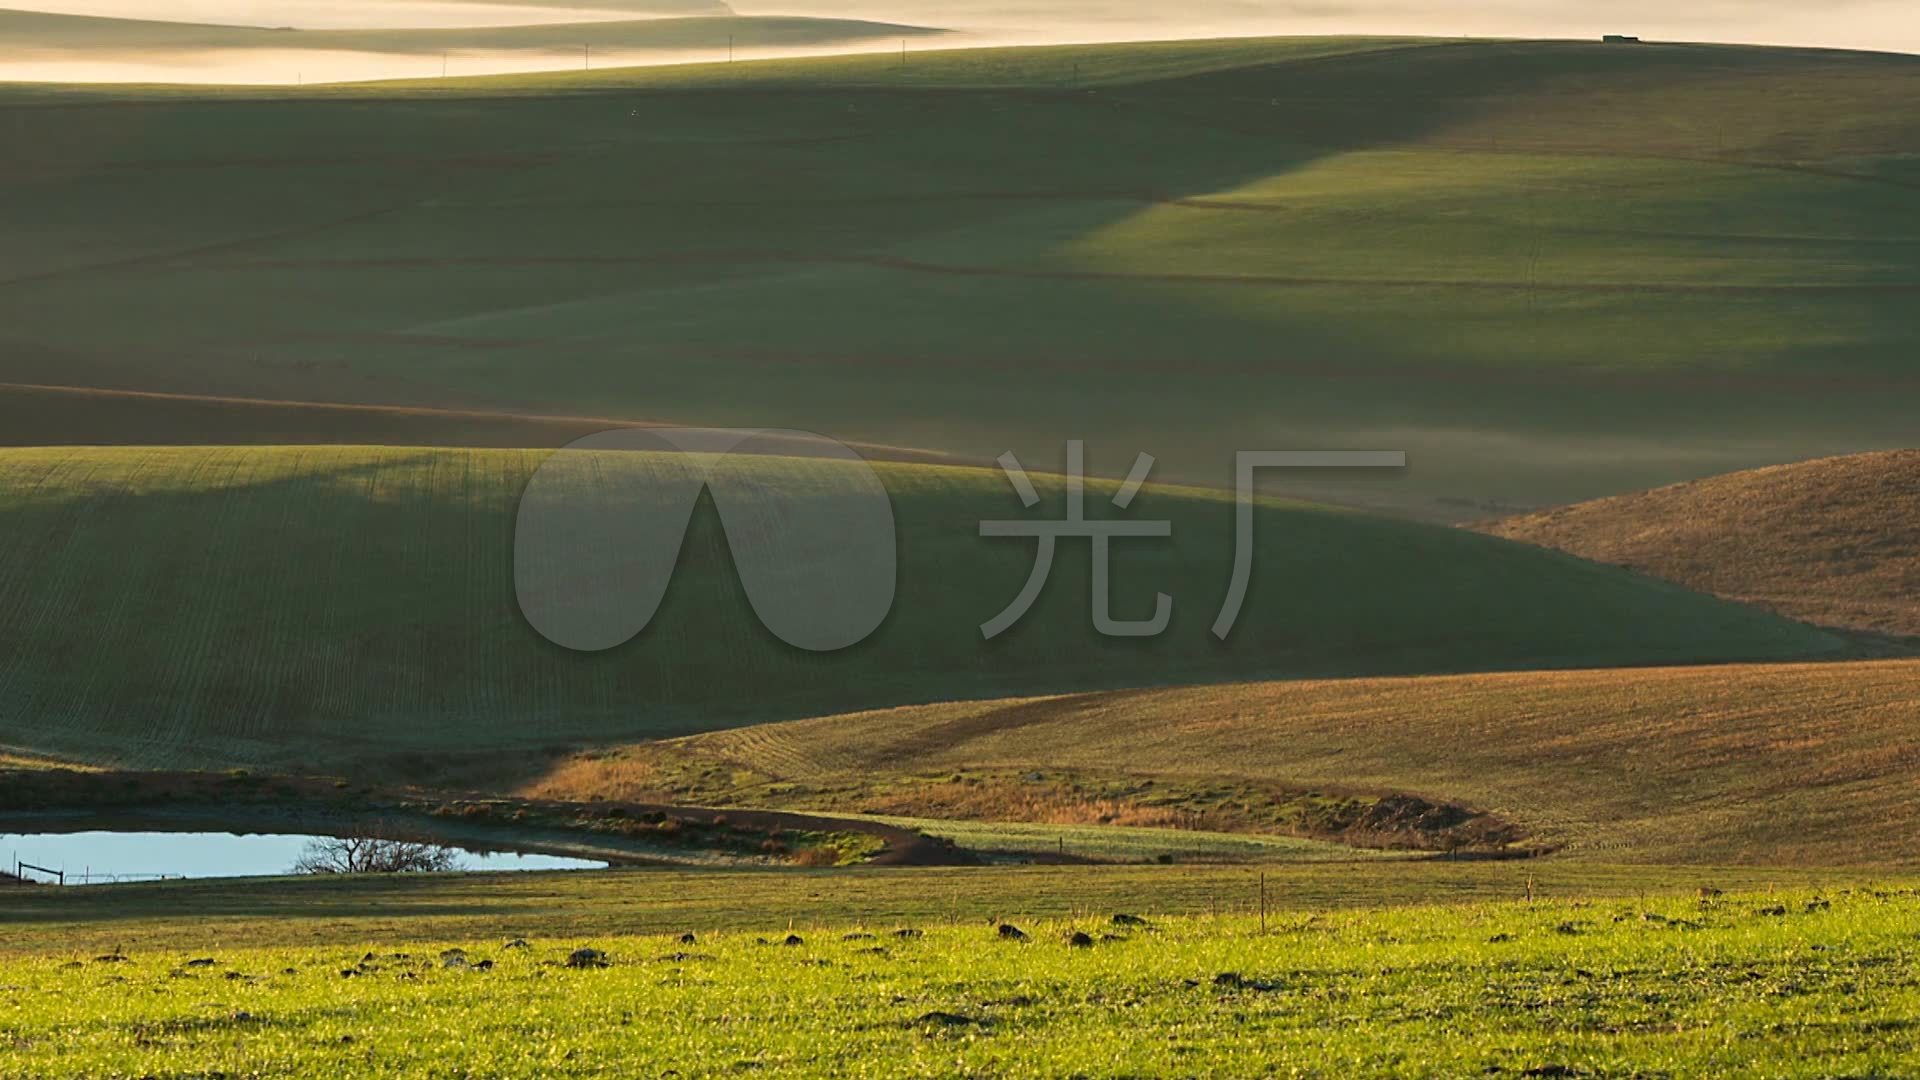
(1786, 984)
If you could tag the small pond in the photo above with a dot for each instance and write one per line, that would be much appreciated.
(101, 857)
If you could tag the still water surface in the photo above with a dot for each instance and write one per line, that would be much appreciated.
(97, 857)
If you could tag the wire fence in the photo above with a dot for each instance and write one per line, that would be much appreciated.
(20, 871)
(87, 878)
(48, 875)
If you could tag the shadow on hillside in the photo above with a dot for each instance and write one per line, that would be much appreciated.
(880, 262)
(262, 621)
(316, 607)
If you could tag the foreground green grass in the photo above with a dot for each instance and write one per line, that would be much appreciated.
(327, 606)
(1791, 984)
(346, 912)
(1547, 270)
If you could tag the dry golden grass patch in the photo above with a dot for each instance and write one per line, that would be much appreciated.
(1792, 764)
(1834, 541)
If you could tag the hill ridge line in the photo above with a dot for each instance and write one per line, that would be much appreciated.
(910, 454)
(890, 262)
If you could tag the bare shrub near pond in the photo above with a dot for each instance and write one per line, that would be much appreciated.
(373, 852)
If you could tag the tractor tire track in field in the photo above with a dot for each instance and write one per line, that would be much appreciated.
(768, 749)
(1200, 366)
(774, 750)
(500, 159)
(948, 736)
(189, 692)
(377, 424)
(920, 266)
(116, 611)
(31, 592)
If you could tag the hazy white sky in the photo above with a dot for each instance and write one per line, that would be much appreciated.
(1867, 24)
(322, 14)
(1893, 24)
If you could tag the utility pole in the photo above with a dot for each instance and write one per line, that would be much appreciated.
(586, 58)
(729, 48)
(443, 65)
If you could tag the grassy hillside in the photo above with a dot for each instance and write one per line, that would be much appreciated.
(1549, 271)
(45, 415)
(1807, 765)
(1835, 541)
(321, 605)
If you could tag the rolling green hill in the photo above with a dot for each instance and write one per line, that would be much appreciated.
(1778, 765)
(1835, 541)
(334, 606)
(1550, 271)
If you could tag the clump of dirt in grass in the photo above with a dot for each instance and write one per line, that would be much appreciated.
(588, 959)
(942, 1019)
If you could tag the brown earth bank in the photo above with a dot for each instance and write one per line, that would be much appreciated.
(1808, 765)
(1391, 820)
(622, 833)
(1835, 541)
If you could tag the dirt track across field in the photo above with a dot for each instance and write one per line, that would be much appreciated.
(921, 266)
(37, 414)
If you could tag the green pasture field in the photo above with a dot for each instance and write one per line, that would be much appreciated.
(1547, 270)
(1788, 983)
(336, 607)
(386, 910)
